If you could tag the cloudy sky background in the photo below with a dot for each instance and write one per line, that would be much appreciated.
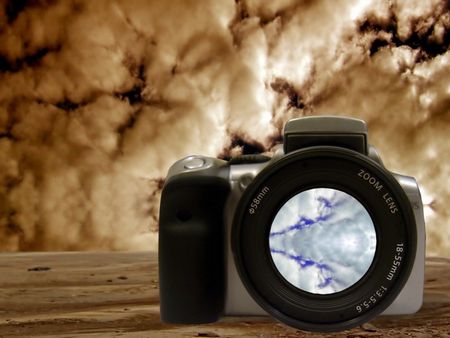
(98, 98)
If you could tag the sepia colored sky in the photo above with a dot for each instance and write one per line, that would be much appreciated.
(98, 98)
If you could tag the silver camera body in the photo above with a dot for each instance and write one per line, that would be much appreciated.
(215, 218)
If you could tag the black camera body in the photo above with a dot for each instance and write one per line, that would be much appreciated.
(320, 236)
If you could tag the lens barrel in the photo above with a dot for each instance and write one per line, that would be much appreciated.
(343, 170)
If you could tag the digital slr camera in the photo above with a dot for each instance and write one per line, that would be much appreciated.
(321, 236)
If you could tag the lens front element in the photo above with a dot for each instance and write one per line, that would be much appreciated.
(322, 240)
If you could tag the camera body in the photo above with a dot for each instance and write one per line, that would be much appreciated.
(221, 250)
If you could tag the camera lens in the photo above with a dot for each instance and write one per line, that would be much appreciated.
(322, 240)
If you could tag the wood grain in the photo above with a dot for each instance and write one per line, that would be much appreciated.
(116, 295)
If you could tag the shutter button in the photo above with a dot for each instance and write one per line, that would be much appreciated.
(194, 162)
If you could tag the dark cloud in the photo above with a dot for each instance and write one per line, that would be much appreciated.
(428, 35)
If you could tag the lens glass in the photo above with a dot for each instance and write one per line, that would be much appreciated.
(322, 240)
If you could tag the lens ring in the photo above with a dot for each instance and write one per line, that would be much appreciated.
(340, 169)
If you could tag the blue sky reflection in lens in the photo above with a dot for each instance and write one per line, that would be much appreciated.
(322, 240)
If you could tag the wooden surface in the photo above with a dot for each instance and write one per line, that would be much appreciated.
(116, 295)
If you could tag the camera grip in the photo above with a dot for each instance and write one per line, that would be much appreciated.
(191, 249)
